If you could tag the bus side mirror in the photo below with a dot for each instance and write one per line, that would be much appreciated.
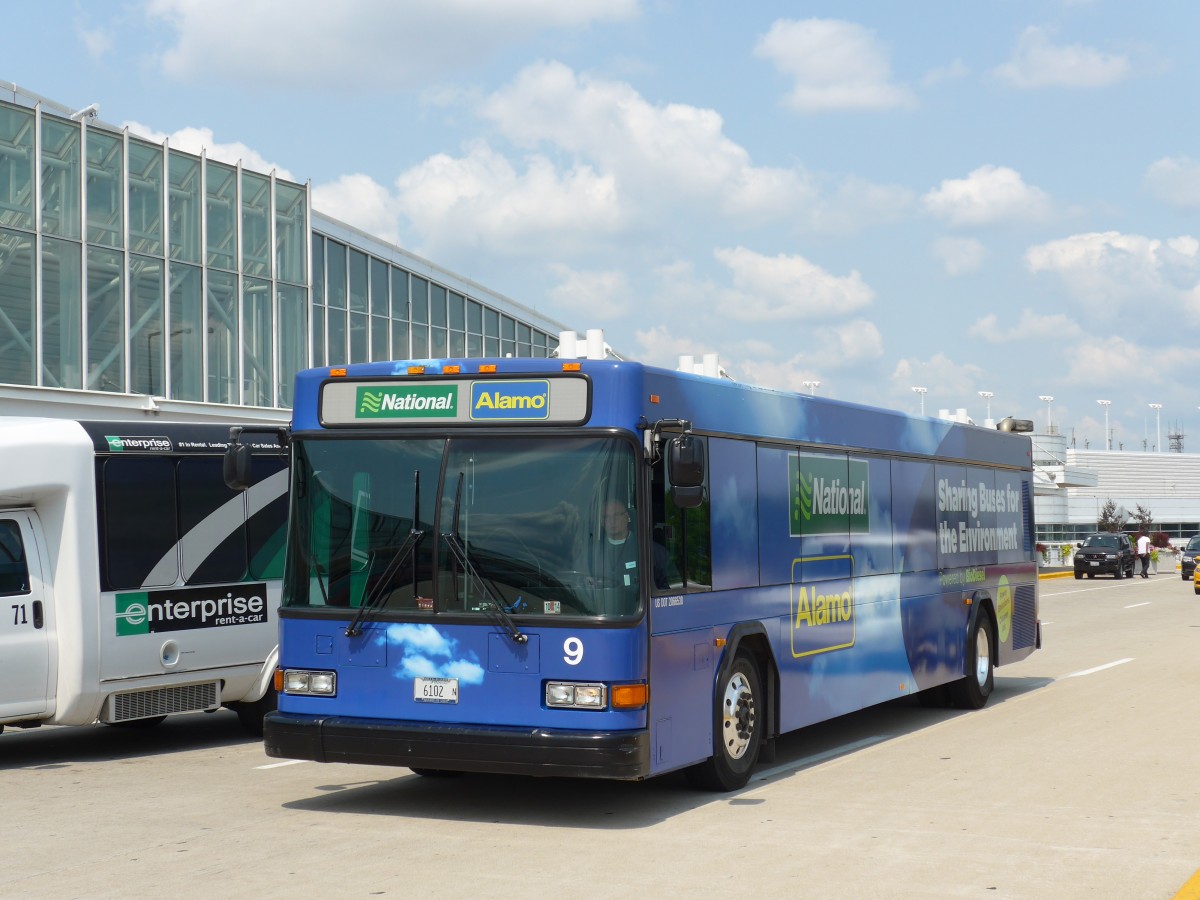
(685, 470)
(235, 466)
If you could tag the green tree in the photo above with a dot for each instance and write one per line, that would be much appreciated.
(1111, 518)
(1143, 519)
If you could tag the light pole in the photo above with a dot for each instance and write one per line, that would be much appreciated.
(1048, 400)
(921, 391)
(1157, 407)
(1106, 404)
(812, 386)
(987, 396)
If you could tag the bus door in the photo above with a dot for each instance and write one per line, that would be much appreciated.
(24, 637)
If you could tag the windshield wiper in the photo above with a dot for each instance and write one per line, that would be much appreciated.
(408, 546)
(494, 608)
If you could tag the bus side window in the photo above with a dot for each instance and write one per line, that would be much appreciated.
(14, 573)
(266, 530)
(138, 522)
(685, 533)
(202, 492)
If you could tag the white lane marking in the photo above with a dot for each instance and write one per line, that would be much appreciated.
(1119, 662)
(806, 761)
(1100, 587)
(1136, 605)
(289, 762)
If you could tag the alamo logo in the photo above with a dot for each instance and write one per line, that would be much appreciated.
(510, 400)
(424, 401)
(822, 617)
(154, 612)
(827, 495)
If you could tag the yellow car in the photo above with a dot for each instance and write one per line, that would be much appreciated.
(1196, 580)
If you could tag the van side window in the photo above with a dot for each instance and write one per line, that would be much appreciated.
(14, 572)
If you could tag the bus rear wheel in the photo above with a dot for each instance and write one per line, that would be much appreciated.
(973, 690)
(737, 729)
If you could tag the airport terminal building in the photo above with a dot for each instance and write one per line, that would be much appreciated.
(1072, 487)
(140, 280)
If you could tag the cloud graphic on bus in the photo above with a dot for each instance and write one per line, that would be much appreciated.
(430, 654)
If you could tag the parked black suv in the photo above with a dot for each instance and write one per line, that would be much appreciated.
(1187, 560)
(1105, 553)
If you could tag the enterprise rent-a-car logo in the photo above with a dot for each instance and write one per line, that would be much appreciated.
(145, 612)
(141, 443)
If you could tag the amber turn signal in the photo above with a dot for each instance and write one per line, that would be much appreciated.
(630, 696)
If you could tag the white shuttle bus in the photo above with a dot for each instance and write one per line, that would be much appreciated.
(133, 583)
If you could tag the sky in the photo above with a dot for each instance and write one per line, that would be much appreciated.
(841, 197)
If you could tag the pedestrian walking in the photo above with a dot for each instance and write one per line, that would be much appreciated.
(1143, 549)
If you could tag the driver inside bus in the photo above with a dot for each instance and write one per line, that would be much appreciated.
(615, 560)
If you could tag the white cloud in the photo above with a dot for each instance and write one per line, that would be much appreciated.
(360, 201)
(848, 344)
(783, 375)
(1175, 181)
(597, 295)
(97, 41)
(197, 140)
(360, 45)
(663, 155)
(835, 65)
(1113, 269)
(952, 72)
(959, 255)
(661, 346)
(1038, 63)
(1030, 327)
(858, 203)
(1118, 362)
(945, 381)
(779, 288)
(481, 199)
(987, 196)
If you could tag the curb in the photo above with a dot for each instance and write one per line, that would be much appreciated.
(1070, 573)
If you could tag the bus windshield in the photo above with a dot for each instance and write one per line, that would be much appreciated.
(537, 526)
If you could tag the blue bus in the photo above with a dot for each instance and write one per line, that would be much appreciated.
(604, 569)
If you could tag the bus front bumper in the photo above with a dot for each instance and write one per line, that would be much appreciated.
(458, 748)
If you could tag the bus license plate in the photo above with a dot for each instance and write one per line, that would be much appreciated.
(435, 690)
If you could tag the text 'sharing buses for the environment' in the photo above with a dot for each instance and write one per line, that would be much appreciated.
(592, 567)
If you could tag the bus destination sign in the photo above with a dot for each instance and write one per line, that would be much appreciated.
(562, 400)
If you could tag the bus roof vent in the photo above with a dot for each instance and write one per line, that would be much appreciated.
(708, 365)
(592, 346)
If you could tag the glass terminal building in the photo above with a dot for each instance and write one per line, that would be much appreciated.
(135, 276)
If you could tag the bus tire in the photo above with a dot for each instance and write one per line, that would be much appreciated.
(738, 721)
(973, 690)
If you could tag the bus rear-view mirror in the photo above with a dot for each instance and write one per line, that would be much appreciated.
(235, 467)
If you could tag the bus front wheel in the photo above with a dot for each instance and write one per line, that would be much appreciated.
(972, 691)
(737, 729)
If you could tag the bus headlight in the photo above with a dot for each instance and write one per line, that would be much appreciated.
(576, 695)
(306, 681)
